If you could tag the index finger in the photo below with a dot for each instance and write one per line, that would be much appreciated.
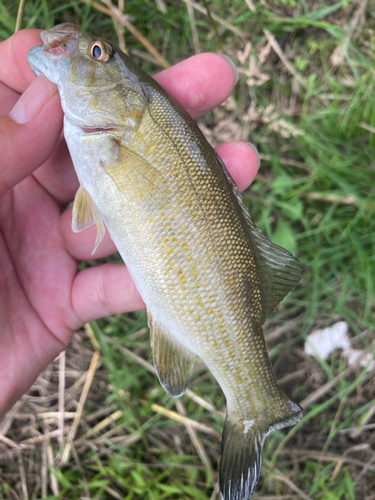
(16, 72)
(200, 83)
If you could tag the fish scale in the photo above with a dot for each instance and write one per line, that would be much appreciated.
(208, 276)
(224, 229)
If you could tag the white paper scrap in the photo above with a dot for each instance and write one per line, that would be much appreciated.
(323, 342)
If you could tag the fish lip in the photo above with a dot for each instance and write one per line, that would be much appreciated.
(38, 60)
(58, 35)
(32, 58)
(61, 41)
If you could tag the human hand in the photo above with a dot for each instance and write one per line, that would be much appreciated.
(43, 296)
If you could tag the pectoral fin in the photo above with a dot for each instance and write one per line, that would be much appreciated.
(131, 173)
(85, 214)
(173, 362)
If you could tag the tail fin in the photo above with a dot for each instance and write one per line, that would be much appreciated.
(240, 462)
(241, 453)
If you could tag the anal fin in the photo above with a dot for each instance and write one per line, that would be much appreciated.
(173, 362)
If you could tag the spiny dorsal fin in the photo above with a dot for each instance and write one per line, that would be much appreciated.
(173, 362)
(85, 214)
(279, 270)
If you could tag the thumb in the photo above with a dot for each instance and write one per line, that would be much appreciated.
(30, 132)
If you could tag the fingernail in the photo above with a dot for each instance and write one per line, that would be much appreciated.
(32, 100)
(255, 151)
(234, 68)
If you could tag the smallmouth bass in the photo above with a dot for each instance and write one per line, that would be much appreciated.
(208, 276)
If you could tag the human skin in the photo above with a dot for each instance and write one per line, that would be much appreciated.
(44, 298)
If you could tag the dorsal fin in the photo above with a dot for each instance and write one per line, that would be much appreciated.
(173, 362)
(279, 271)
(85, 214)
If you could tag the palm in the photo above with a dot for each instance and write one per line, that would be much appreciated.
(39, 274)
(43, 296)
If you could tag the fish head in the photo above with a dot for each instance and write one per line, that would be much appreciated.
(98, 84)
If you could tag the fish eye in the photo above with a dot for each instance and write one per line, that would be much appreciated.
(101, 51)
(96, 51)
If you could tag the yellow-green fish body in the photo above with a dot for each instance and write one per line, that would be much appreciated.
(208, 276)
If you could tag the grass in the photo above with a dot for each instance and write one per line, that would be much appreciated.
(311, 114)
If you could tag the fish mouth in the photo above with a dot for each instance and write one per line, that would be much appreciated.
(58, 39)
(60, 42)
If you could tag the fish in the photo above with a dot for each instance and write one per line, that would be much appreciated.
(207, 274)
